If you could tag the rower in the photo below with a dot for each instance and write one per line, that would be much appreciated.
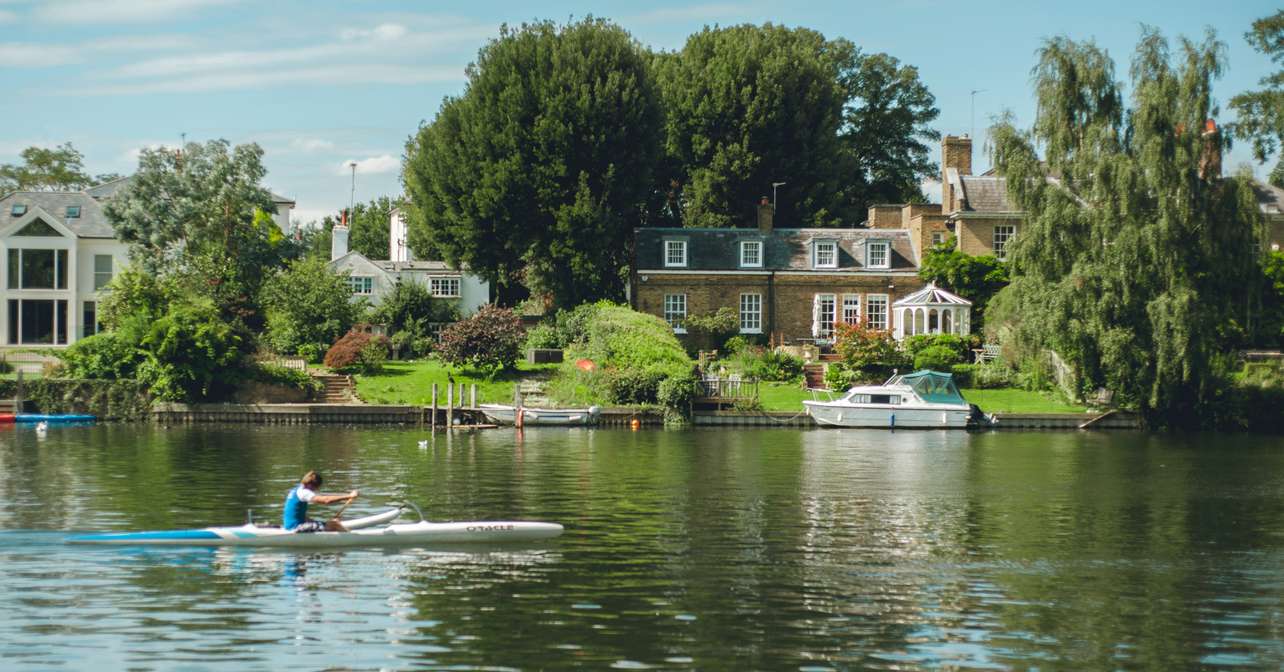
(295, 517)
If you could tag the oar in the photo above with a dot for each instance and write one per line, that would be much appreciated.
(338, 514)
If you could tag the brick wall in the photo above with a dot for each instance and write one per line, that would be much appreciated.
(787, 299)
(884, 216)
(976, 236)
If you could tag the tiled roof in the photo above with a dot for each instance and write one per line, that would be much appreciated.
(91, 223)
(1269, 198)
(413, 265)
(783, 249)
(932, 295)
(986, 194)
(110, 189)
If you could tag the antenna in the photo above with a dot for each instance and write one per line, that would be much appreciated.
(974, 92)
(352, 196)
(773, 193)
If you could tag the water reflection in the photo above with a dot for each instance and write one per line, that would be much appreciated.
(700, 548)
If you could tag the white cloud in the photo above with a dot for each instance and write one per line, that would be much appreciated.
(119, 11)
(311, 144)
(385, 32)
(302, 216)
(7, 17)
(32, 55)
(333, 75)
(131, 155)
(375, 165)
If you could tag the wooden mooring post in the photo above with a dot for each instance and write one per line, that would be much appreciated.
(433, 421)
(450, 406)
(472, 396)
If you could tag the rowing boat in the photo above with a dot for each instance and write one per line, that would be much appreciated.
(375, 530)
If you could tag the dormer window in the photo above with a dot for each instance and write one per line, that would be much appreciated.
(675, 253)
(824, 254)
(878, 252)
(751, 253)
(73, 212)
(18, 210)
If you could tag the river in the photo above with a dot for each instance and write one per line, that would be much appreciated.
(701, 548)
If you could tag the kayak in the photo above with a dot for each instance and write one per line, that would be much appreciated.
(37, 417)
(368, 531)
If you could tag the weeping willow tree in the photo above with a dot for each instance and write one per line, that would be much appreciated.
(1137, 260)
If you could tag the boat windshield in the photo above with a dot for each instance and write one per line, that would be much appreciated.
(933, 387)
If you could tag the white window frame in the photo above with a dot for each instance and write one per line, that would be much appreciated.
(675, 311)
(938, 237)
(823, 316)
(1003, 235)
(103, 278)
(877, 319)
(751, 313)
(435, 283)
(745, 246)
(885, 261)
(816, 246)
(672, 260)
(851, 309)
(361, 285)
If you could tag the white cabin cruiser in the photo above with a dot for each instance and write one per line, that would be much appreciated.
(923, 399)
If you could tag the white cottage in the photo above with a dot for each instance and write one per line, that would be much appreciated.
(373, 279)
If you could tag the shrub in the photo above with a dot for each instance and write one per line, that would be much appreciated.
(710, 331)
(916, 344)
(490, 339)
(965, 374)
(938, 357)
(272, 374)
(867, 349)
(676, 393)
(542, 336)
(737, 344)
(189, 353)
(634, 386)
(373, 354)
(312, 352)
(107, 356)
(347, 350)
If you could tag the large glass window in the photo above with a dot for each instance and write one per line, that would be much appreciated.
(751, 313)
(37, 269)
(825, 307)
(876, 315)
(39, 228)
(1002, 236)
(37, 322)
(89, 324)
(444, 287)
(102, 270)
(675, 253)
(675, 311)
(751, 253)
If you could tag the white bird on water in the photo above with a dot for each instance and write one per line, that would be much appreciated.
(42, 427)
(423, 443)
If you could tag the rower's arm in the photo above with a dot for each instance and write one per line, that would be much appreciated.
(334, 499)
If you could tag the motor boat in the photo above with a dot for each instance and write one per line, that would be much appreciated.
(923, 399)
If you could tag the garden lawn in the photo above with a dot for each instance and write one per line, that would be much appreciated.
(410, 382)
(789, 397)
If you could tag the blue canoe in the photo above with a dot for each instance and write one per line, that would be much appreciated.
(36, 417)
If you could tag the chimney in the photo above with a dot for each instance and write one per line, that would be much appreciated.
(765, 213)
(956, 155)
(397, 236)
(1210, 159)
(338, 242)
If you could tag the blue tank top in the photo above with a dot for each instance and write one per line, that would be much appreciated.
(296, 510)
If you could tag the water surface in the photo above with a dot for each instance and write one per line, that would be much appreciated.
(708, 549)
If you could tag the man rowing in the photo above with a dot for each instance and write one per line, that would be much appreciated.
(306, 492)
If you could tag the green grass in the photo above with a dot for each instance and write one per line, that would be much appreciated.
(789, 397)
(411, 382)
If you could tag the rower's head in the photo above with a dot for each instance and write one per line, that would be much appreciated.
(311, 480)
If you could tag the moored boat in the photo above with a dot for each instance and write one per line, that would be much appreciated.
(507, 415)
(376, 530)
(923, 399)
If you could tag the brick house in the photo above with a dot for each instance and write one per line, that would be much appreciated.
(791, 285)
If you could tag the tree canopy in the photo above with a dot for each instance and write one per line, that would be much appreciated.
(1260, 114)
(59, 168)
(538, 172)
(369, 227)
(1135, 264)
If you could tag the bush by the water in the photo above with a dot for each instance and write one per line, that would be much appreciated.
(917, 344)
(358, 350)
(759, 363)
(636, 359)
(938, 357)
(491, 339)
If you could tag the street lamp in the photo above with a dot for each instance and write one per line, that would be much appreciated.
(352, 196)
(773, 193)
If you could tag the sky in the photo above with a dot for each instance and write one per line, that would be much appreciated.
(319, 84)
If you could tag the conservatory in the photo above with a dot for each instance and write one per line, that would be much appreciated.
(932, 310)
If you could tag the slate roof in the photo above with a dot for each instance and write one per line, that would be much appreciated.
(414, 266)
(108, 190)
(783, 249)
(92, 222)
(1269, 198)
(986, 193)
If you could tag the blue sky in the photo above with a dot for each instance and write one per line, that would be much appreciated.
(319, 83)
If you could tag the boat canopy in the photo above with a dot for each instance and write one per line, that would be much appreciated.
(933, 386)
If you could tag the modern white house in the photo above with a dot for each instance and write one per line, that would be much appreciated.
(59, 253)
(373, 279)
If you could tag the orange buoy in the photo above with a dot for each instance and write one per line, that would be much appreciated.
(634, 424)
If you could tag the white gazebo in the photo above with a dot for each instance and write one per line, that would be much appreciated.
(932, 310)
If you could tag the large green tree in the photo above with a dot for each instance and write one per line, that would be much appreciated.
(538, 172)
(308, 307)
(203, 213)
(1135, 264)
(1260, 114)
(58, 168)
(369, 226)
(748, 106)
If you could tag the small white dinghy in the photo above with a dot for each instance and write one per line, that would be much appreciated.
(375, 530)
(507, 415)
